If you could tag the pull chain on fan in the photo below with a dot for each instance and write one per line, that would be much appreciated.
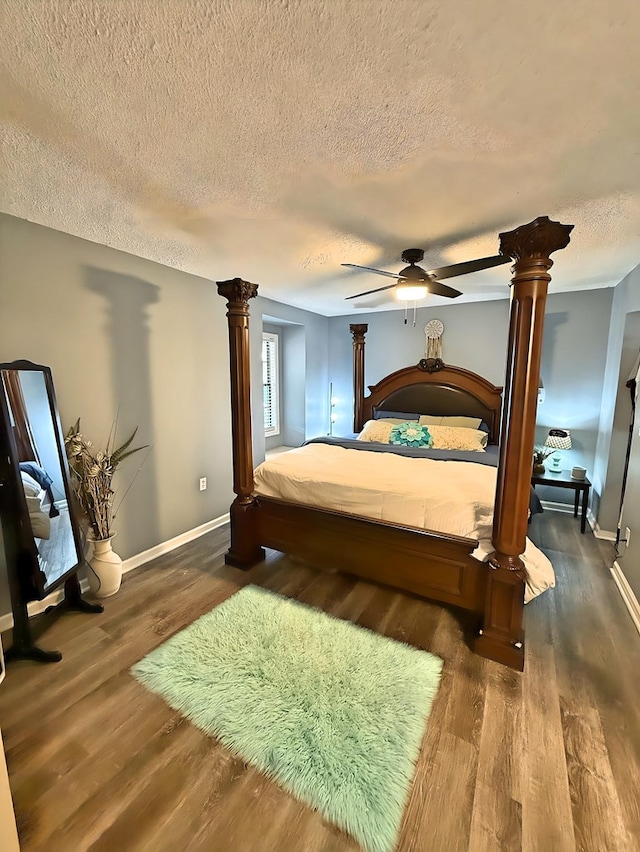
(406, 309)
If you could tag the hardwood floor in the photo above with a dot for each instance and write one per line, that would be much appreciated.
(546, 760)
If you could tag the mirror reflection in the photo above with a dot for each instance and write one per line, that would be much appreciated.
(39, 448)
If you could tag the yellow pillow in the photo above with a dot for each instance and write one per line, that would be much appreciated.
(458, 438)
(433, 420)
(466, 422)
(378, 430)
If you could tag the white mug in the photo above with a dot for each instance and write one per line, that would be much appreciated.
(578, 472)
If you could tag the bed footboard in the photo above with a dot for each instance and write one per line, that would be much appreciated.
(431, 564)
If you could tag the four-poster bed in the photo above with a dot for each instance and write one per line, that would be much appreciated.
(435, 565)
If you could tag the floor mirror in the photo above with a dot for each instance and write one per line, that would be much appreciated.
(42, 537)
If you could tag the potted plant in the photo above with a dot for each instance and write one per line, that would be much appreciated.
(540, 455)
(91, 479)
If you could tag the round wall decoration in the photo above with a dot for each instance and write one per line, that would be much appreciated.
(433, 331)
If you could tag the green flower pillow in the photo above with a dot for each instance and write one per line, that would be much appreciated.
(410, 434)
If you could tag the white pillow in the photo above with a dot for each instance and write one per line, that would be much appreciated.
(458, 438)
(462, 422)
(40, 523)
(31, 487)
(378, 431)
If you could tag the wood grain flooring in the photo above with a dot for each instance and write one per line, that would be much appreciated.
(545, 760)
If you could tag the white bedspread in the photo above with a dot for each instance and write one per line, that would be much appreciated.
(452, 497)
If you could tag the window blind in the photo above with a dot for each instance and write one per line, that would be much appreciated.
(270, 390)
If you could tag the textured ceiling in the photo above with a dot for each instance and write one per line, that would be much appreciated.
(276, 139)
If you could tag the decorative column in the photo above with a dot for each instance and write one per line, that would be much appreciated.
(358, 332)
(245, 549)
(501, 637)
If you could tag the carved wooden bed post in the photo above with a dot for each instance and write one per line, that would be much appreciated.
(245, 550)
(501, 637)
(358, 332)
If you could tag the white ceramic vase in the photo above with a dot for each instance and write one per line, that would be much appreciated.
(105, 569)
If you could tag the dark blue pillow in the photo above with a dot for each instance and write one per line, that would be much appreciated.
(381, 414)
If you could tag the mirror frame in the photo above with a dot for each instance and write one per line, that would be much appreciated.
(26, 578)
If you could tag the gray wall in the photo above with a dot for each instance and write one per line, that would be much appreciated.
(619, 429)
(135, 340)
(130, 339)
(475, 336)
(572, 369)
(294, 369)
(305, 378)
(624, 342)
(630, 550)
(629, 559)
(611, 439)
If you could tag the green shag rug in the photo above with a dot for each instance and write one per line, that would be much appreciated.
(331, 711)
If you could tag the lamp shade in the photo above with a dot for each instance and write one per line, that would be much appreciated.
(558, 439)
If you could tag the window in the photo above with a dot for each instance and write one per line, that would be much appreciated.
(270, 383)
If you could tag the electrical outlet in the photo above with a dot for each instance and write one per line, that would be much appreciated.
(203, 483)
(627, 535)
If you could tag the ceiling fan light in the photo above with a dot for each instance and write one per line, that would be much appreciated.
(411, 292)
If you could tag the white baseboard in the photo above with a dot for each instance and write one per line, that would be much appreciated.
(607, 535)
(167, 546)
(627, 594)
(35, 607)
(566, 508)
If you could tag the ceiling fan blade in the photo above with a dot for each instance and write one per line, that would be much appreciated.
(369, 269)
(379, 290)
(469, 266)
(438, 289)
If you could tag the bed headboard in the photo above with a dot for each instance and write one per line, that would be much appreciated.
(430, 387)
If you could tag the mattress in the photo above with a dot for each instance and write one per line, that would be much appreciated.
(454, 497)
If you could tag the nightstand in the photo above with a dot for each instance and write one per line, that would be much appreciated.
(563, 479)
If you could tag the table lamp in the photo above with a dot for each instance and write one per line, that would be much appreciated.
(558, 439)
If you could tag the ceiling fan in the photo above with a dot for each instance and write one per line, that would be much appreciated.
(413, 282)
